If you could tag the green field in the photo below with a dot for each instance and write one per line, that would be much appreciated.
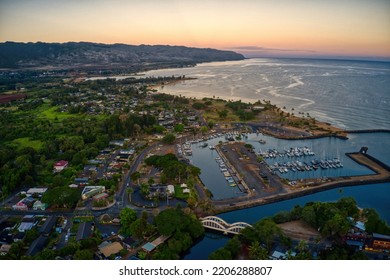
(51, 113)
(27, 142)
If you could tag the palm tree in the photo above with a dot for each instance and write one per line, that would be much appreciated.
(129, 193)
(256, 252)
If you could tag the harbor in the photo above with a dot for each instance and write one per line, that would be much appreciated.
(272, 167)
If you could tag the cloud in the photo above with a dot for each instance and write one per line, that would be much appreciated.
(266, 50)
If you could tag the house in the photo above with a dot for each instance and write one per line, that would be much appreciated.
(60, 165)
(186, 190)
(90, 191)
(148, 247)
(380, 241)
(81, 181)
(170, 190)
(183, 186)
(84, 231)
(360, 226)
(37, 245)
(4, 249)
(48, 225)
(38, 205)
(20, 206)
(119, 143)
(125, 155)
(23, 204)
(36, 191)
(108, 249)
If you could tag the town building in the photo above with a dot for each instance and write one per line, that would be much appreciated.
(48, 225)
(38, 205)
(36, 191)
(107, 248)
(170, 190)
(4, 249)
(380, 241)
(84, 231)
(90, 191)
(83, 181)
(24, 204)
(60, 165)
(37, 246)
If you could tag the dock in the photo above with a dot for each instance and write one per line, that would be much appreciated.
(381, 170)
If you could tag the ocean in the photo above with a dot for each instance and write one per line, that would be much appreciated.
(352, 95)
(348, 94)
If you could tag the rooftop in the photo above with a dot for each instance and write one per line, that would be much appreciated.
(110, 248)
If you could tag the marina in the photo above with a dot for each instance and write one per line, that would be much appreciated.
(308, 160)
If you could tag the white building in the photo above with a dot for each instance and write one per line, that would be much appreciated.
(170, 190)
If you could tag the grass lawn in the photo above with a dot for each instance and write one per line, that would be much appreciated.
(179, 193)
(27, 142)
(50, 112)
(211, 113)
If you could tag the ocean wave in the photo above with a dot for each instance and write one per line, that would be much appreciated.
(297, 82)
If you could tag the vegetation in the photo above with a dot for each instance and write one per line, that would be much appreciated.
(332, 219)
(61, 197)
(183, 228)
(169, 139)
(172, 168)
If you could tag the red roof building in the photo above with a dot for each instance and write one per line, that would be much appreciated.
(60, 165)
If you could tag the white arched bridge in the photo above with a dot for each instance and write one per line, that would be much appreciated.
(216, 223)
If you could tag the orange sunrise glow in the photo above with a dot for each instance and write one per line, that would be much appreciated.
(350, 28)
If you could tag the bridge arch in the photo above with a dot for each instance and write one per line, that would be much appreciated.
(216, 223)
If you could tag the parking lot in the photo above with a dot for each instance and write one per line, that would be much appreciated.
(256, 175)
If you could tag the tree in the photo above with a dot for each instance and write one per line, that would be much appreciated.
(145, 189)
(46, 254)
(83, 255)
(220, 254)
(61, 197)
(169, 139)
(179, 128)
(130, 192)
(31, 235)
(204, 129)
(303, 251)
(267, 230)
(135, 176)
(256, 252)
(374, 222)
(309, 216)
(127, 216)
(198, 106)
(223, 114)
(233, 245)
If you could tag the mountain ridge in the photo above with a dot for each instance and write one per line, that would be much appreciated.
(17, 55)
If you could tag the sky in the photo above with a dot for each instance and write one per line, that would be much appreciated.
(349, 28)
